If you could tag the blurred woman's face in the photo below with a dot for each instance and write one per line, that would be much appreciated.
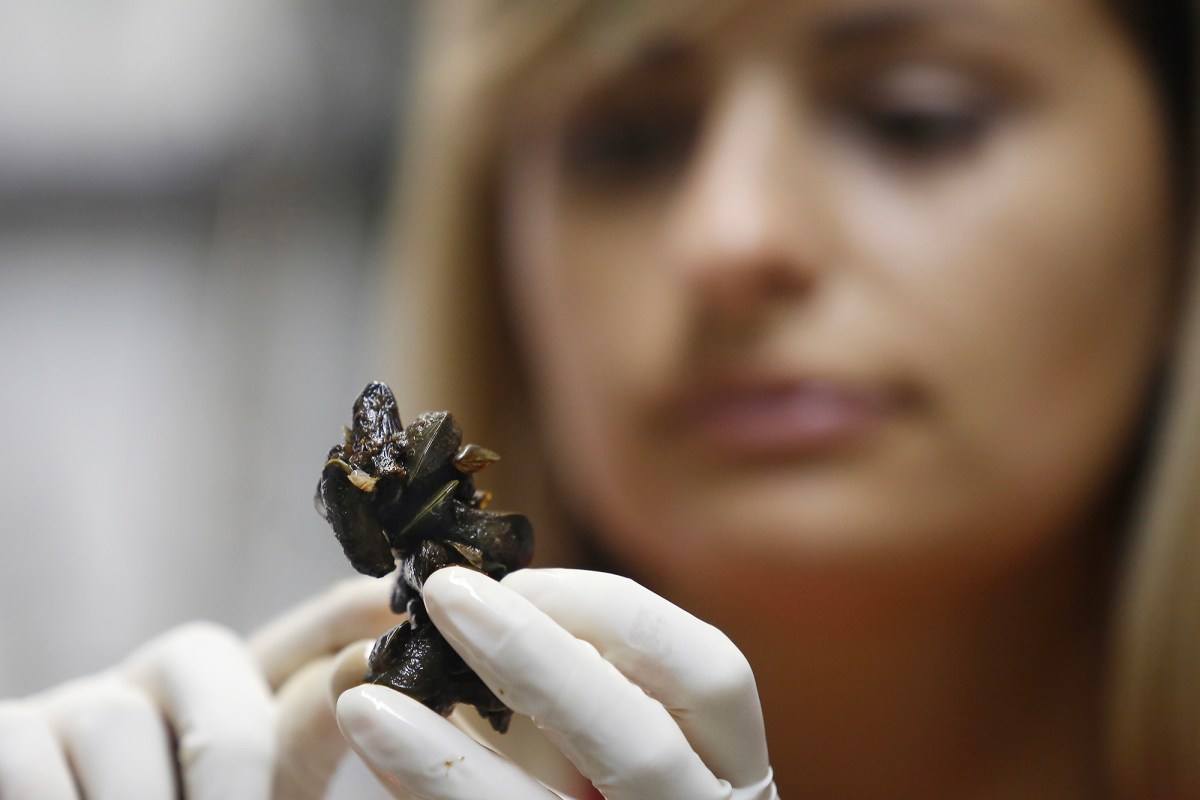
(847, 282)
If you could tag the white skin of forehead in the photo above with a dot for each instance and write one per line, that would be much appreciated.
(1021, 288)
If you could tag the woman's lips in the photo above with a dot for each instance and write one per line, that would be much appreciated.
(792, 418)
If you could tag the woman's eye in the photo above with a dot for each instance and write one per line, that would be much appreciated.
(924, 133)
(922, 113)
(631, 146)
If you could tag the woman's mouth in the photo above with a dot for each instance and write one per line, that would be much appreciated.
(795, 418)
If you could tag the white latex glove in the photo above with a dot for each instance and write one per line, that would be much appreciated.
(317, 645)
(112, 736)
(647, 701)
(192, 713)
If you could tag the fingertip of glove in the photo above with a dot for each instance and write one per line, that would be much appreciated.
(349, 667)
(461, 592)
(373, 719)
(356, 705)
(393, 733)
(358, 711)
(450, 583)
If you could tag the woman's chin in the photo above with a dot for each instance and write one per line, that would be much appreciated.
(820, 532)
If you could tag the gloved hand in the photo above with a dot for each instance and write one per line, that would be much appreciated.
(647, 701)
(110, 736)
(302, 654)
(195, 707)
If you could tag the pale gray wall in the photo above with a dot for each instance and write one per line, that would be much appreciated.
(190, 198)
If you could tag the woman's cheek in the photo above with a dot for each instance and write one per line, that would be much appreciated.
(611, 331)
(1047, 334)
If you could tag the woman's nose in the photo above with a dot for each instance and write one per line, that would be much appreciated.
(746, 231)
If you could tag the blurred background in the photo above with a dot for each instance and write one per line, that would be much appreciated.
(192, 198)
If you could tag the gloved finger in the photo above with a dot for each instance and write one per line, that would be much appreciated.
(689, 666)
(418, 752)
(523, 747)
(617, 736)
(310, 744)
(219, 707)
(32, 764)
(114, 738)
(350, 610)
(349, 668)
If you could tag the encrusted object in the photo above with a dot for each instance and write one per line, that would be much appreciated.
(404, 498)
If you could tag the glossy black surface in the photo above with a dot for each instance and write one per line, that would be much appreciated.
(404, 498)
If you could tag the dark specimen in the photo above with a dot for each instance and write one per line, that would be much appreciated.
(404, 498)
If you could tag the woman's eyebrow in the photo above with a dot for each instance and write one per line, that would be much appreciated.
(872, 25)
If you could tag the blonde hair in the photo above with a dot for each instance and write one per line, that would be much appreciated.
(455, 351)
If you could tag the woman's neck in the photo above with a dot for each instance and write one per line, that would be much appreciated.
(975, 695)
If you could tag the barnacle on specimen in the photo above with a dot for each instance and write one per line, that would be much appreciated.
(404, 498)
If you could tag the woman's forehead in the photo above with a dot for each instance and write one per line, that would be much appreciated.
(612, 35)
(613, 38)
